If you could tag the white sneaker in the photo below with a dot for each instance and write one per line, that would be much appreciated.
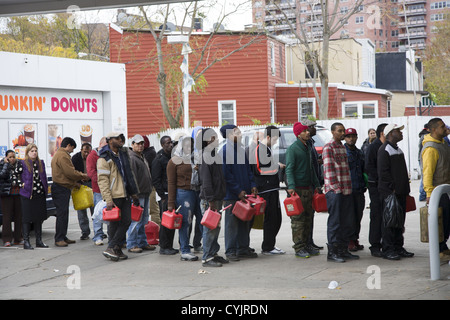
(274, 251)
(99, 242)
(188, 257)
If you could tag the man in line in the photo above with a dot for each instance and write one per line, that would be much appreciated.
(302, 180)
(137, 239)
(65, 178)
(239, 182)
(91, 167)
(338, 189)
(356, 164)
(375, 225)
(436, 171)
(265, 171)
(317, 163)
(79, 162)
(117, 185)
(393, 178)
(159, 175)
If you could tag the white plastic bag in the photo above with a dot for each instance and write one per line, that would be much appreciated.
(98, 212)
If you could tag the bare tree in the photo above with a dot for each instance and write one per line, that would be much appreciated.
(315, 49)
(186, 27)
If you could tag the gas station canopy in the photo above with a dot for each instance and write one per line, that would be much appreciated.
(30, 7)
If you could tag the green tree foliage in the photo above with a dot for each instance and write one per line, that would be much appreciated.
(47, 35)
(437, 64)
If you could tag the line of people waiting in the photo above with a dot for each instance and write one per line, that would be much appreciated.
(184, 178)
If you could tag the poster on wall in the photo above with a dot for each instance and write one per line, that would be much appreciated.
(54, 138)
(21, 135)
(86, 132)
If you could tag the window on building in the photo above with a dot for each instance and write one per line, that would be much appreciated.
(360, 109)
(359, 19)
(272, 59)
(306, 107)
(227, 112)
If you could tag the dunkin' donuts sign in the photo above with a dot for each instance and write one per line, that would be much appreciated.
(50, 104)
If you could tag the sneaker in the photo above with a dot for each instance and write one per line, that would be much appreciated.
(111, 254)
(312, 251)
(98, 242)
(221, 259)
(84, 237)
(188, 257)
(274, 251)
(232, 257)
(118, 251)
(248, 254)
(211, 263)
(168, 252)
(302, 253)
(7, 244)
(135, 250)
(149, 247)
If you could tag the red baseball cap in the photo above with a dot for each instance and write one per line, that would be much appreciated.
(350, 131)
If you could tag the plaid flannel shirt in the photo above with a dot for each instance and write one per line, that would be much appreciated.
(335, 168)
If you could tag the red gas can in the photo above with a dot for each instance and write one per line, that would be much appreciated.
(210, 219)
(319, 202)
(293, 205)
(244, 210)
(152, 233)
(136, 212)
(410, 203)
(171, 219)
(259, 204)
(111, 215)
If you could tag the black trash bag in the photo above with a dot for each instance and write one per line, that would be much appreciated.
(393, 215)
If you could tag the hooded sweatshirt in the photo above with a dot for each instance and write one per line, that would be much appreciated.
(435, 158)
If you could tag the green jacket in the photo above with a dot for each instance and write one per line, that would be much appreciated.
(299, 170)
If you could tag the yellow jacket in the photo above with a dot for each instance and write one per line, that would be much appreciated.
(430, 157)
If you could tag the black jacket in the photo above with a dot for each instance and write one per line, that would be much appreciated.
(159, 173)
(265, 167)
(9, 176)
(370, 157)
(213, 184)
(392, 171)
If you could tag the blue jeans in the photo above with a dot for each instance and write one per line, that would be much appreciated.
(97, 224)
(136, 231)
(237, 232)
(210, 244)
(190, 205)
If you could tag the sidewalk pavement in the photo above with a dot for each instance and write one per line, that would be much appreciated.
(80, 271)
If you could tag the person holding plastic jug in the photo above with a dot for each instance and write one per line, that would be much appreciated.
(180, 193)
(239, 182)
(302, 180)
(118, 186)
(212, 192)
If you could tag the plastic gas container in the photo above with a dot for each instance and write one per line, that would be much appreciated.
(319, 202)
(152, 233)
(111, 215)
(82, 198)
(293, 205)
(259, 204)
(171, 219)
(210, 219)
(136, 212)
(410, 203)
(244, 210)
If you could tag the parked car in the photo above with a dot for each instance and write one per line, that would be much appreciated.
(322, 137)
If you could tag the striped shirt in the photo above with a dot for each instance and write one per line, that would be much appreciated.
(335, 168)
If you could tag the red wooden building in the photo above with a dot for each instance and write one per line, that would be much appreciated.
(239, 88)
(248, 85)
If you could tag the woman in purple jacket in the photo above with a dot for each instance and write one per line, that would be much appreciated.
(33, 196)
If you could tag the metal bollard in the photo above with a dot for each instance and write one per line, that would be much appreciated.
(433, 229)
